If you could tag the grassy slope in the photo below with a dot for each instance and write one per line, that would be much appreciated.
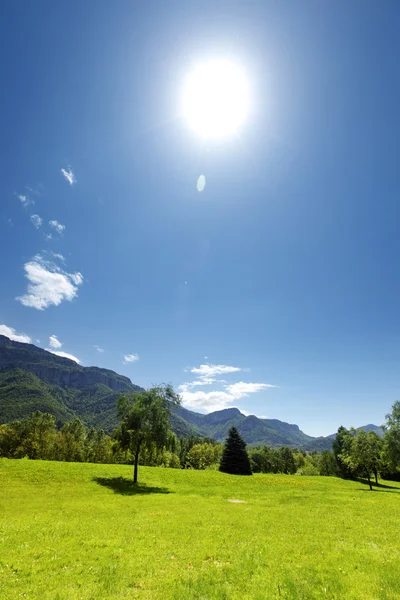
(78, 531)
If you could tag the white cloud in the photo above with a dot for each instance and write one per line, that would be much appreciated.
(130, 358)
(25, 200)
(69, 176)
(13, 335)
(58, 256)
(219, 399)
(54, 342)
(48, 236)
(48, 284)
(241, 389)
(208, 401)
(64, 355)
(59, 227)
(211, 370)
(36, 221)
(77, 278)
(98, 348)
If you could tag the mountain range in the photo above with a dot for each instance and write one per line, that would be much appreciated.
(34, 379)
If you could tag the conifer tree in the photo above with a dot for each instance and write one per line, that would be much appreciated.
(234, 457)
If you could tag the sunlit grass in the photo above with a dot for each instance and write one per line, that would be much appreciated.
(84, 531)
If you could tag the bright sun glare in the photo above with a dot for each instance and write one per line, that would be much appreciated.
(216, 98)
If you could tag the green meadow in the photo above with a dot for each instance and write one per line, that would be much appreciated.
(83, 531)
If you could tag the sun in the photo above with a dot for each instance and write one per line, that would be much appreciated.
(216, 98)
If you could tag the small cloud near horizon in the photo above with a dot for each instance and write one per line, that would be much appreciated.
(64, 355)
(54, 342)
(130, 358)
(217, 399)
(14, 336)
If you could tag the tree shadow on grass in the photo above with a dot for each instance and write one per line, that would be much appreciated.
(126, 487)
(380, 487)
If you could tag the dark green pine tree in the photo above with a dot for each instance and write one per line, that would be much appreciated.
(234, 457)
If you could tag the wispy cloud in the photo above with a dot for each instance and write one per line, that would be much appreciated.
(98, 348)
(35, 190)
(13, 335)
(130, 358)
(212, 370)
(58, 256)
(36, 221)
(242, 389)
(48, 236)
(25, 200)
(54, 342)
(64, 355)
(49, 285)
(59, 227)
(69, 175)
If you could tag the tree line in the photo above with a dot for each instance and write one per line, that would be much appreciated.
(144, 437)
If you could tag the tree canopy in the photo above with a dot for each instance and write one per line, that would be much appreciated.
(145, 420)
(234, 457)
(392, 438)
(365, 453)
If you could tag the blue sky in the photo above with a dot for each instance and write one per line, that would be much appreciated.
(276, 288)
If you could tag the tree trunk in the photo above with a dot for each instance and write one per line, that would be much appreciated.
(135, 470)
(369, 481)
(376, 476)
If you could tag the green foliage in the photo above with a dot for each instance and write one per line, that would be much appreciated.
(234, 458)
(36, 437)
(145, 420)
(33, 437)
(22, 393)
(328, 464)
(391, 450)
(341, 447)
(203, 456)
(365, 453)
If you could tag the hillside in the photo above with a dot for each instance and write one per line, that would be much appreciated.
(33, 379)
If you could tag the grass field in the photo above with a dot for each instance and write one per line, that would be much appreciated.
(78, 531)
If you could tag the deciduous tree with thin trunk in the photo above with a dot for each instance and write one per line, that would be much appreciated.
(145, 420)
(365, 454)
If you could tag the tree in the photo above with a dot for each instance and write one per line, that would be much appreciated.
(392, 438)
(365, 454)
(341, 446)
(145, 420)
(286, 459)
(234, 456)
(201, 456)
(73, 441)
(327, 464)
